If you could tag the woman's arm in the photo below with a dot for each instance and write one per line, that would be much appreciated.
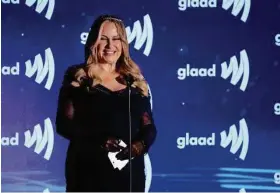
(66, 125)
(145, 136)
(68, 122)
(147, 132)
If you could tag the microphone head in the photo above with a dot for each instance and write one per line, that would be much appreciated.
(86, 82)
(129, 79)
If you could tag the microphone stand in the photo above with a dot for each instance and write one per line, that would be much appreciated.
(130, 164)
(129, 83)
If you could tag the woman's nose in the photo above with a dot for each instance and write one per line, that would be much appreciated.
(109, 43)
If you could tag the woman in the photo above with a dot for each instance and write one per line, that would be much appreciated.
(93, 113)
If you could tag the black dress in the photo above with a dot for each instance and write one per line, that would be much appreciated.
(87, 116)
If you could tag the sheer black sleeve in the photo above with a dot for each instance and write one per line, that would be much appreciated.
(147, 132)
(68, 123)
(65, 122)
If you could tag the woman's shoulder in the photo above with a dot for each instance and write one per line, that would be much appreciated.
(69, 80)
(70, 73)
(138, 91)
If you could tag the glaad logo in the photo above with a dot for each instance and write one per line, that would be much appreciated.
(182, 142)
(236, 71)
(277, 40)
(237, 140)
(42, 69)
(238, 5)
(41, 141)
(41, 5)
(140, 36)
(232, 138)
(184, 4)
(277, 109)
(194, 72)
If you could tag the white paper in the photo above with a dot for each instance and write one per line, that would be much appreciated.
(116, 162)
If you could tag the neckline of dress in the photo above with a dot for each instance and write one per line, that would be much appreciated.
(111, 91)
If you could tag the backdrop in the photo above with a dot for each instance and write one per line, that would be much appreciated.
(213, 71)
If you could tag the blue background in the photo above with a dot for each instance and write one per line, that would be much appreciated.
(198, 105)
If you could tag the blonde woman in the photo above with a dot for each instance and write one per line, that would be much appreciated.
(93, 114)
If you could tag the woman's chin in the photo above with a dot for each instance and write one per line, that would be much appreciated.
(110, 60)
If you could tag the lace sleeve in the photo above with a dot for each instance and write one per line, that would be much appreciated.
(68, 123)
(147, 132)
(65, 113)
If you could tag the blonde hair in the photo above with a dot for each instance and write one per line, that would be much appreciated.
(125, 65)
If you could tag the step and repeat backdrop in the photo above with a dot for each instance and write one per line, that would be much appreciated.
(213, 68)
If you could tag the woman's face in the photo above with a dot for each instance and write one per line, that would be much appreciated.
(109, 47)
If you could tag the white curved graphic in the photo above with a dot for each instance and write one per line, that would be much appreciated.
(236, 140)
(42, 141)
(148, 172)
(147, 160)
(151, 96)
(237, 70)
(141, 36)
(238, 5)
(43, 70)
(41, 5)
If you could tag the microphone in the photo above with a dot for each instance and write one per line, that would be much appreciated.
(129, 79)
(85, 81)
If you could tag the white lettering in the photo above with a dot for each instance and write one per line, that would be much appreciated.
(183, 4)
(10, 141)
(84, 37)
(10, 1)
(182, 142)
(277, 109)
(195, 72)
(277, 178)
(10, 70)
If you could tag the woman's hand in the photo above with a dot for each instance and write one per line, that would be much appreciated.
(137, 149)
(112, 145)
